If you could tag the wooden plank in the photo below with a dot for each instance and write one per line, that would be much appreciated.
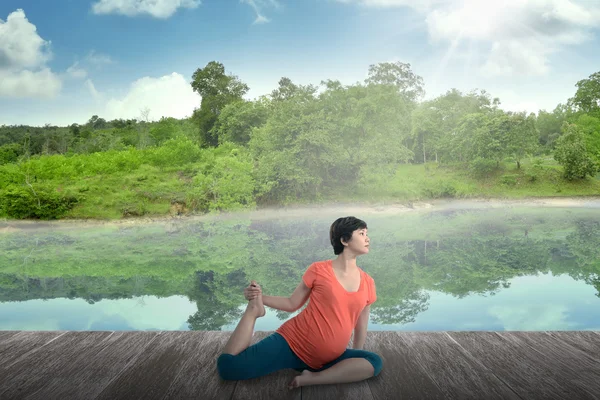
(528, 373)
(198, 377)
(571, 364)
(272, 386)
(31, 372)
(351, 391)
(401, 377)
(153, 371)
(181, 365)
(24, 343)
(86, 375)
(454, 370)
(6, 334)
(585, 341)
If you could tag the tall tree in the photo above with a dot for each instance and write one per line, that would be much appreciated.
(549, 125)
(238, 119)
(397, 74)
(587, 97)
(217, 90)
(522, 137)
(572, 153)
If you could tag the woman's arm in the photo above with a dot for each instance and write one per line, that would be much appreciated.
(360, 330)
(289, 304)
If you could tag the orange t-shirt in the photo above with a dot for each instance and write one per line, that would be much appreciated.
(321, 332)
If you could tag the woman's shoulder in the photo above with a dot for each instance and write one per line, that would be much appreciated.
(368, 277)
(320, 265)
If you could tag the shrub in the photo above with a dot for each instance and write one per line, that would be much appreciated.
(509, 180)
(22, 202)
(440, 190)
(228, 184)
(572, 153)
(482, 167)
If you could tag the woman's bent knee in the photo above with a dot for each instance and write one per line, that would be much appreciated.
(226, 367)
(377, 363)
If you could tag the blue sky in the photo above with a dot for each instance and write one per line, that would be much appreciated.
(66, 60)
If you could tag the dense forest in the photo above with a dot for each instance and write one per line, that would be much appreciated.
(376, 140)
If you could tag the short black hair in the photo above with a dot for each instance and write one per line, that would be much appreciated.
(342, 229)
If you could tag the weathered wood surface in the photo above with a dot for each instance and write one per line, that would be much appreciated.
(182, 365)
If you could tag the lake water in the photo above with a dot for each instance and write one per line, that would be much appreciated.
(451, 266)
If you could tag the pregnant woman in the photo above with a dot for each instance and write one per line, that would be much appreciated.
(314, 341)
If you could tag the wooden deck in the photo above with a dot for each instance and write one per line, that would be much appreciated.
(182, 365)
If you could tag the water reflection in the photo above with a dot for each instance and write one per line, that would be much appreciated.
(455, 269)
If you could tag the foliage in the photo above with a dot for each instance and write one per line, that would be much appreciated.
(398, 75)
(305, 143)
(42, 203)
(9, 153)
(590, 127)
(482, 167)
(217, 90)
(587, 98)
(572, 153)
(226, 185)
(549, 126)
(238, 119)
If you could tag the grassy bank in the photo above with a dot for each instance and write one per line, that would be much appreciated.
(151, 190)
(434, 181)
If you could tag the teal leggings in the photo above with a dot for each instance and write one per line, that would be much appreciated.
(272, 354)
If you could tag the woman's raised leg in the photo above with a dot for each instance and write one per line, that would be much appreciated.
(242, 335)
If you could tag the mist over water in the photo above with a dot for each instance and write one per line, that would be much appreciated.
(459, 265)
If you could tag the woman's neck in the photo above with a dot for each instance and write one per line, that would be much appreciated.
(345, 263)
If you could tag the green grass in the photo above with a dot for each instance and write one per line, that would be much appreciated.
(436, 181)
(152, 191)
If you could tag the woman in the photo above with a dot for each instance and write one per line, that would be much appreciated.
(314, 341)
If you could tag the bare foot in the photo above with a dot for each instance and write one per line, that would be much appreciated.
(256, 307)
(301, 380)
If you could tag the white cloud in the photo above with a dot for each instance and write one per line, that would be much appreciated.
(168, 96)
(75, 71)
(25, 83)
(79, 69)
(258, 6)
(92, 89)
(517, 57)
(155, 8)
(520, 34)
(533, 317)
(23, 57)
(98, 59)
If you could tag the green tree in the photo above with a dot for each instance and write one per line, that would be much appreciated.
(435, 122)
(522, 137)
(9, 153)
(572, 153)
(217, 90)
(590, 127)
(480, 136)
(398, 75)
(587, 97)
(163, 130)
(549, 126)
(238, 119)
(285, 90)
